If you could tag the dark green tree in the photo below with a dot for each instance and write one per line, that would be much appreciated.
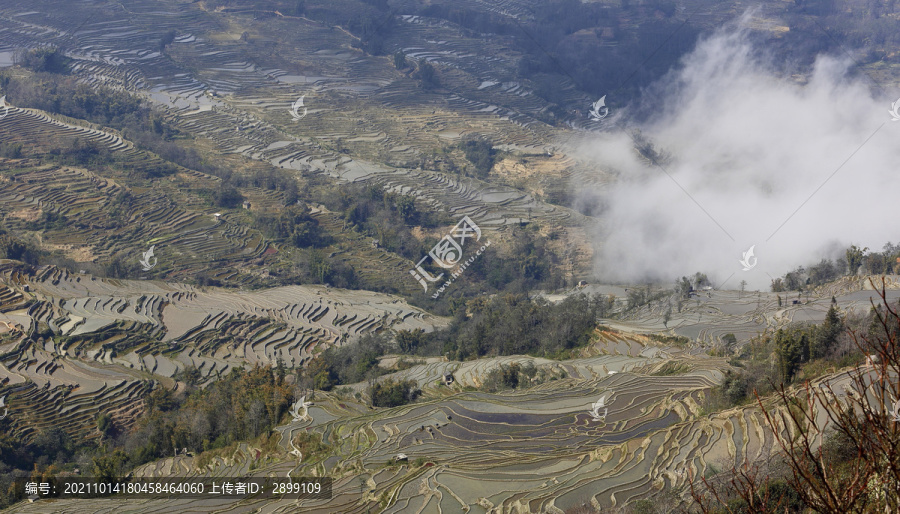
(110, 467)
(426, 76)
(480, 153)
(855, 256)
(791, 351)
(400, 61)
(167, 39)
(409, 340)
(826, 335)
(228, 197)
(391, 393)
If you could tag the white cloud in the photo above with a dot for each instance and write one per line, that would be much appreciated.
(749, 146)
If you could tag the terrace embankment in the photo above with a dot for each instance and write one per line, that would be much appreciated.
(76, 344)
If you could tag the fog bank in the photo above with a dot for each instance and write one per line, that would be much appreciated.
(748, 147)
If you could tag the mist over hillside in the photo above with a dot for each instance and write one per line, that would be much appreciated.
(747, 156)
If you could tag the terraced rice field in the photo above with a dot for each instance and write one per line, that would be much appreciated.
(534, 449)
(710, 315)
(236, 94)
(221, 82)
(104, 341)
(98, 225)
(189, 238)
